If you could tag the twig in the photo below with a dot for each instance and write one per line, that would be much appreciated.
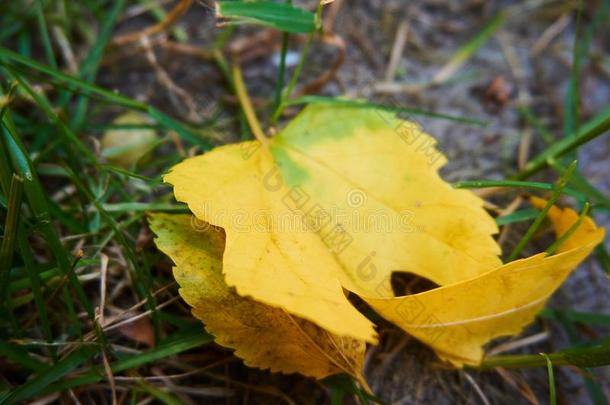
(187, 49)
(331, 15)
(525, 144)
(142, 315)
(171, 17)
(109, 377)
(549, 34)
(166, 81)
(103, 278)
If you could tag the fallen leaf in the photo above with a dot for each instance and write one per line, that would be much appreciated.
(342, 198)
(456, 320)
(125, 146)
(265, 337)
(296, 214)
(140, 330)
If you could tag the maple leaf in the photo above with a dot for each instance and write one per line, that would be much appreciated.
(295, 213)
(265, 337)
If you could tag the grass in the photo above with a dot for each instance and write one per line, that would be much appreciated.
(64, 209)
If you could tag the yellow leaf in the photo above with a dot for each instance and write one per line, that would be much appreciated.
(457, 319)
(343, 197)
(265, 337)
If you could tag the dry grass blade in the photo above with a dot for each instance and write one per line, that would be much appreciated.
(519, 384)
(519, 343)
(477, 388)
(397, 49)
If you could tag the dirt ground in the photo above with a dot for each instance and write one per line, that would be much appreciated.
(514, 68)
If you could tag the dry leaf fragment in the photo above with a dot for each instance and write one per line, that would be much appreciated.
(265, 337)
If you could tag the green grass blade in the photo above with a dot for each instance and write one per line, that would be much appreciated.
(184, 133)
(559, 186)
(536, 185)
(162, 351)
(592, 386)
(35, 282)
(366, 104)
(467, 50)
(44, 34)
(281, 72)
(141, 278)
(41, 381)
(597, 355)
(297, 70)
(551, 374)
(603, 257)
(561, 240)
(580, 183)
(73, 82)
(5, 99)
(517, 216)
(22, 283)
(89, 89)
(90, 65)
(527, 114)
(37, 199)
(580, 50)
(594, 128)
(281, 16)
(11, 222)
(140, 207)
(7, 248)
(19, 355)
(69, 138)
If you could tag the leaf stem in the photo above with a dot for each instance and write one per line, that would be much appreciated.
(246, 105)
